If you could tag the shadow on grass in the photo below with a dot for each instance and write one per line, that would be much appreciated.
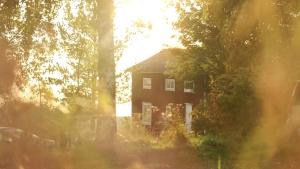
(134, 155)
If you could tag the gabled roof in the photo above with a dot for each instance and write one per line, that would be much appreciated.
(156, 63)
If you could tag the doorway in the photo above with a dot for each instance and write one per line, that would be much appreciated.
(188, 116)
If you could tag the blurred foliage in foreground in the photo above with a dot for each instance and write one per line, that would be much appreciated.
(247, 54)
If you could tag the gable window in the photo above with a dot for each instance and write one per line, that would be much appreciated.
(189, 86)
(170, 84)
(146, 83)
(146, 113)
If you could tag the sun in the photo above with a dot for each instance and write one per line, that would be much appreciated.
(159, 14)
(130, 11)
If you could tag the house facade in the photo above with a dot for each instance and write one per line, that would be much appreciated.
(154, 92)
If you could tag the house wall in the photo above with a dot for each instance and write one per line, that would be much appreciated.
(158, 96)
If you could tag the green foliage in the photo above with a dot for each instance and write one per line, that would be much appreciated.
(54, 48)
(7, 68)
(212, 147)
(21, 23)
(123, 87)
(172, 131)
(231, 107)
(241, 50)
(226, 61)
(173, 126)
(133, 132)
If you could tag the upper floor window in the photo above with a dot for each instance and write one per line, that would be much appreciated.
(170, 84)
(146, 83)
(189, 86)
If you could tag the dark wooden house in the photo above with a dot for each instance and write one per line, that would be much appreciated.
(153, 92)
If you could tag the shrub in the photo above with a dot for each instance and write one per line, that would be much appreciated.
(174, 130)
(212, 147)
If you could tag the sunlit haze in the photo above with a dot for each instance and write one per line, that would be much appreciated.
(149, 84)
(158, 15)
(157, 32)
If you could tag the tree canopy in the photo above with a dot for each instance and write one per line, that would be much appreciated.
(57, 54)
(246, 53)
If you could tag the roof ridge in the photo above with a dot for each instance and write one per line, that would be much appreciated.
(161, 56)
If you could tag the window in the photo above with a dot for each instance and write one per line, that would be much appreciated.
(170, 84)
(189, 86)
(146, 83)
(169, 108)
(146, 113)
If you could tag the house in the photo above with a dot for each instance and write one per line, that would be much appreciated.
(151, 87)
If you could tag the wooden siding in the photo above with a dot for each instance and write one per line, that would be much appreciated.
(157, 95)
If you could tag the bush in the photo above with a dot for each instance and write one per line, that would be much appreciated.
(212, 147)
(174, 130)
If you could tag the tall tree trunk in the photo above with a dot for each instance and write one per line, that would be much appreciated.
(106, 66)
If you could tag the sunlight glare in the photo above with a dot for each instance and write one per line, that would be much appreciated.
(156, 13)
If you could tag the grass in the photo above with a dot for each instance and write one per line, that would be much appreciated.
(134, 148)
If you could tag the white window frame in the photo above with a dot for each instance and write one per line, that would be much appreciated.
(146, 113)
(169, 108)
(147, 83)
(189, 90)
(168, 84)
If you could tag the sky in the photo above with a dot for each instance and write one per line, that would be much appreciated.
(159, 33)
(143, 43)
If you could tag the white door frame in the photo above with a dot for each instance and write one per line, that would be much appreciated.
(146, 114)
(188, 116)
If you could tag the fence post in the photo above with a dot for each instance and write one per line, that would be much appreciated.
(219, 162)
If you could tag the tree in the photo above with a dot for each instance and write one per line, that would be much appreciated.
(208, 57)
(240, 49)
(56, 45)
(106, 66)
(27, 26)
(7, 69)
